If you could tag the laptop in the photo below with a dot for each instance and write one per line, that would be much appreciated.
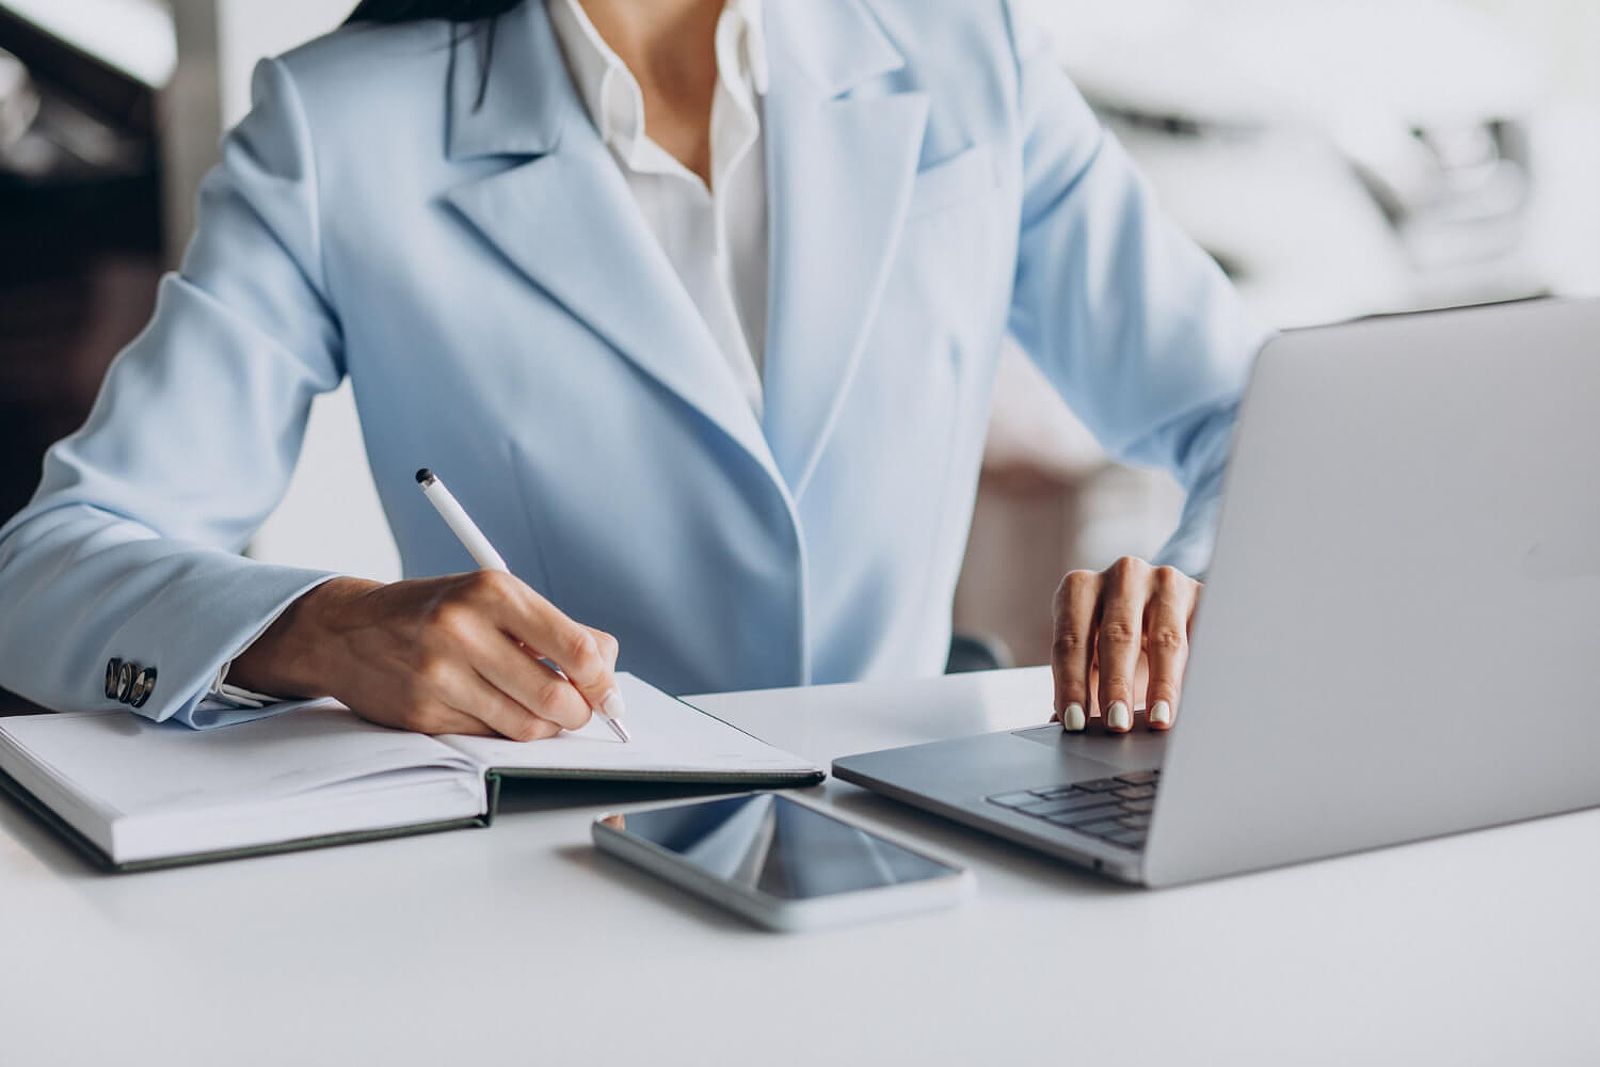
(1400, 635)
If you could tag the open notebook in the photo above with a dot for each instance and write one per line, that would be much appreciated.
(137, 794)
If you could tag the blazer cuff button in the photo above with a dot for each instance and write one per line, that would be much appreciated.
(125, 681)
(143, 686)
(113, 672)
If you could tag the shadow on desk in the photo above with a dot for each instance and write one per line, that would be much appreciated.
(970, 846)
(31, 844)
(637, 880)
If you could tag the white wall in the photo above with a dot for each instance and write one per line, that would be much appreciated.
(1566, 34)
(250, 29)
(331, 516)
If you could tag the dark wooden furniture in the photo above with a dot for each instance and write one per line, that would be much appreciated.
(80, 248)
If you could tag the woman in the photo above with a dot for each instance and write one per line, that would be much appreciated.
(696, 305)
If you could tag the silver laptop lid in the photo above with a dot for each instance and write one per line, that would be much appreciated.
(1401, 633)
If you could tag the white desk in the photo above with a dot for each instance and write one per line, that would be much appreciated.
(506, 945)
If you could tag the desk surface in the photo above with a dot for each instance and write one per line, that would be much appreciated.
(519, 944)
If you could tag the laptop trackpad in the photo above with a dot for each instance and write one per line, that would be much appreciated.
(1141, 750)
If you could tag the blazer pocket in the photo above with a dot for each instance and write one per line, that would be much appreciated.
(953, 181)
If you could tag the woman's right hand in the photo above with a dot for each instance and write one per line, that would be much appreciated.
(452, 655)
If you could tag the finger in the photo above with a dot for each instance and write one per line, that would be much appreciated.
(1073, 648)
(500, 714)
(451, 721)
(608, 646)
(590, 666)
(520, 717)
(522, 687)
(466, 687)
(1166, 640)
(437, 718)
(534, 687)
(1118, 635)
(548, 632)
(556, 699)
(503, 714)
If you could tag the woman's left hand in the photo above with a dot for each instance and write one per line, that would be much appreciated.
(1121, 642)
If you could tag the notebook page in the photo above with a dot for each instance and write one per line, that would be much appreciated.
(668, 737)
(121, 764)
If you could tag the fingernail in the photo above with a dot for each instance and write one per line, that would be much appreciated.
(1073, 719)
(1161, 713)
(1118, 717)
(613, 705)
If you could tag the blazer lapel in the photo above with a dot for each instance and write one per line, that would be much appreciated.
(841, 170)
(566, 219)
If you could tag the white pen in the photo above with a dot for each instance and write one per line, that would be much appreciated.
(484, 554)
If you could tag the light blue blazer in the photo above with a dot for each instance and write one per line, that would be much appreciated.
(481, 273)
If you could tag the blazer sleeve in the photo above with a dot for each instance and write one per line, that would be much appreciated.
(130, 547)
(1131, 321)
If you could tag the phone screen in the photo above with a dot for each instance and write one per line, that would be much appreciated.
(773, 845)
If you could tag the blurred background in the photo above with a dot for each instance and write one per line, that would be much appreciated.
(1338, 158)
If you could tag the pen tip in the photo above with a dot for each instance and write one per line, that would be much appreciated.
(424, 476)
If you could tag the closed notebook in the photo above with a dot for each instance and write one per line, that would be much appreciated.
(137, 794)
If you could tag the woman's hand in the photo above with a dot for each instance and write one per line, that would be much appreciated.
(1121, 641)
(458, 654)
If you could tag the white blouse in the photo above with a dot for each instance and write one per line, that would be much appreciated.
(715, 238)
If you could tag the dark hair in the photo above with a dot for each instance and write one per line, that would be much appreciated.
(456, 11)
(415, 10)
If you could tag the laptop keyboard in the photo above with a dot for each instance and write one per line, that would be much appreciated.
(1113, 809)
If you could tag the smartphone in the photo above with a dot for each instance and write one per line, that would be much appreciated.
(782, 863)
